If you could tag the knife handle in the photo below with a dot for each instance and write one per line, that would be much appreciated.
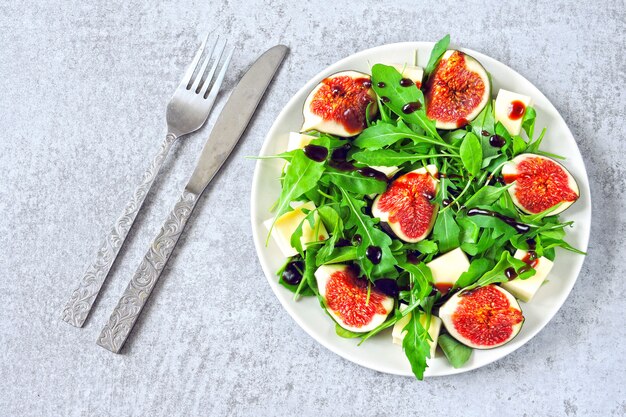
(140, 287)
(83, 297)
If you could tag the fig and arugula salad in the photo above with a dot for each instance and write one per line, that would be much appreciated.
(420, 200)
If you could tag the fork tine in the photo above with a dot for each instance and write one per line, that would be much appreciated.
(197, 83)
(218, 81)
(209, 77)
(190, 70)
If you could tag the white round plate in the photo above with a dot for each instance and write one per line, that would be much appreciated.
(379, 353)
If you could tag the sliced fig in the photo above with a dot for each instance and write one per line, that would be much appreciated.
(539, 183)
(456, 91)
(338, 105)
(484, 318)
(347, 300)
(407, 206)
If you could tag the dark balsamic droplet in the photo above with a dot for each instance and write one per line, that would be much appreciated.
(428, 196)
(387, 229)
(342, 165)
(315, 152)
(338, 159)
(519, 227)
(381, 85)
(497, 141)
(406, 82)
(366, 83)
(485, 133)
(372, 173)
(413, 256)
(384, 99)
(354, 269)
(523, 269)
(446, 202)
(291, 274)
(357, 239)
(387, 286)
(510, 273)
(409, 108)
(532, 244)
(341, 242)
(341, 153)
(374, 254)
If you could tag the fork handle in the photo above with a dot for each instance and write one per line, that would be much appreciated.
(140, 287)
(83, 297)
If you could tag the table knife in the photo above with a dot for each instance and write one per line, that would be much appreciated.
(228, 128)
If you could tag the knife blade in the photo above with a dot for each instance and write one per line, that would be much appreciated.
(226, 132)
(234, 117)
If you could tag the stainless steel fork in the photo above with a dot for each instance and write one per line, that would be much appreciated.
(187, 111)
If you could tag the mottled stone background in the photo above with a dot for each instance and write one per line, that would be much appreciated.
(83, 90)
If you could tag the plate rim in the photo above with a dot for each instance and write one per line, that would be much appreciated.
(270, 275)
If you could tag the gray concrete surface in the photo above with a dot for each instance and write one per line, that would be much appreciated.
(84, 86)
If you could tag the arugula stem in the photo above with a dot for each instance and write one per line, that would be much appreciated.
(494, 172)
(457, 198)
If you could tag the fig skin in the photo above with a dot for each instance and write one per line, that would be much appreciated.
(395, 226)
(446, 314)
(323, 275)
(510, 170)
(453, 116)
(315, 121)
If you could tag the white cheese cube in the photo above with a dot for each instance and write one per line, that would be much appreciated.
(433, 330)
(413, 73)
(289, 222)
(506, 104)
(525, 289)
(388, 171)
(298, 140)
(447, 268)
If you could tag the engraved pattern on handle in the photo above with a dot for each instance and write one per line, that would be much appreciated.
(81, 301)
(140, 287)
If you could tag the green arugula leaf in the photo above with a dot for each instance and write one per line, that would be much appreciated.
(296, 236)
(457, 353)
(355, 182)
(421, 279)
(334, 224)
(346, 334)
(383, 134)
(301, 175)
(533, 147)
(423, 246)
(497, 273)
(471, 153)
(389, 158)
(309, 270)
(435, 55)
(400, 96)
(478, 267)
(415, 344)
(446, 231)
(483, 126)
(553, 243)
(338, 255)
(519, 145)
(486, 195)
(370, 236)
(528, 122)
